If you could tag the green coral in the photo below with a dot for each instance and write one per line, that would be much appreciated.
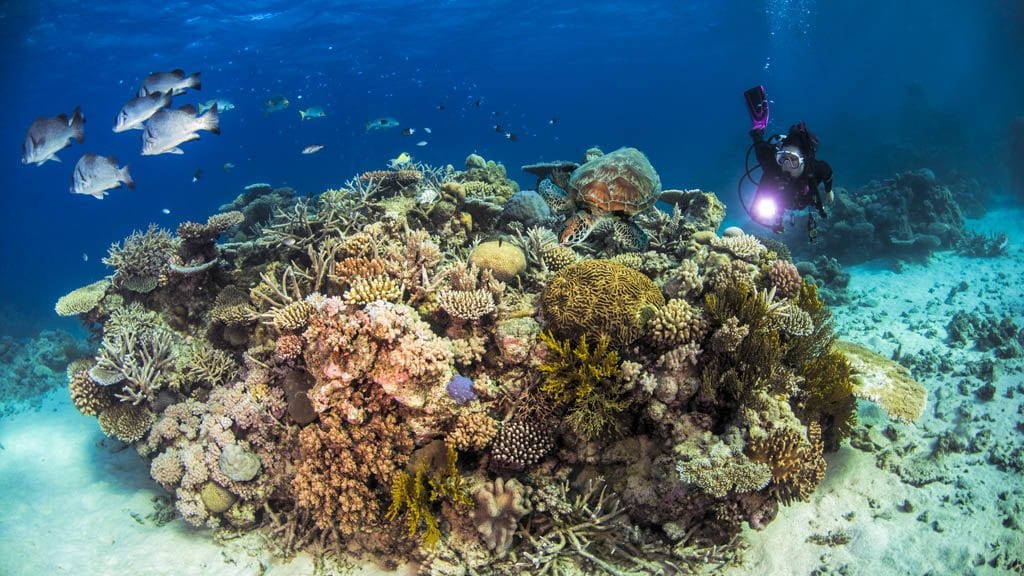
(415, 493)
(586, 380)
(600, 297)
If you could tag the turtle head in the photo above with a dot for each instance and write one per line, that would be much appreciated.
(577, 228)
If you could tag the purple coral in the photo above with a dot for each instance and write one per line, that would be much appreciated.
(460, 389)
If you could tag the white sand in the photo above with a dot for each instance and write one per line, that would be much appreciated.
(69, 504)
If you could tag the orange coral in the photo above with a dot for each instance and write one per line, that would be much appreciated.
(797, 465)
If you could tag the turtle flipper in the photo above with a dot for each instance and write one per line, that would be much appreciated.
(627, 234)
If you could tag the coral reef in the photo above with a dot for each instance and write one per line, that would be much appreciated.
(413, 367)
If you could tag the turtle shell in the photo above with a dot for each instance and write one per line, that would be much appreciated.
(620, 182)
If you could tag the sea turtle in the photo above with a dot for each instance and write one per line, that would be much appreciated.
(607, 192)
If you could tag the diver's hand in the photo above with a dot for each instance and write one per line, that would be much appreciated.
(830, 197)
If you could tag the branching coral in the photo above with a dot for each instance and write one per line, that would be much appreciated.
(676, 323)
(139, 358)
(797, 464)
(586, 381)
(142, 259)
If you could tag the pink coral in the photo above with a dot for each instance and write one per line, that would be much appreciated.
(289, 347)
(784, 276)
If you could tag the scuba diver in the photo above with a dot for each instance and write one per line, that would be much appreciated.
(791, 175)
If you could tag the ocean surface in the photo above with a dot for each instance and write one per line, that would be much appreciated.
(889, 88)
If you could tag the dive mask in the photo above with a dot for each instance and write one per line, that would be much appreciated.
(789, 159)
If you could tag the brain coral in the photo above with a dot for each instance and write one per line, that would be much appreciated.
(504, 259)
(600, 297)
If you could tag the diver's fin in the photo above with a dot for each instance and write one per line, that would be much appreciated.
(757, 106)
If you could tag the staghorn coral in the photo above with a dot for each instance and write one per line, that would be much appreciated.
(82, 300)
(466, 304)
(142, 259)
(201, 364)
(500, 504)
(600, 297)
(505, 260)
(676, 323)
(139, 358)
(198, 234)
(797, 465)
(126, 422)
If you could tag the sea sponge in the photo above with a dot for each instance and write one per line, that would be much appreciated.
(126, 422)
(675, 323)
(499, 506)
(600, 297)
(82, 300)
(504, 259)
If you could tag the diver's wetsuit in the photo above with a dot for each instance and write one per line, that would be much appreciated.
(797, 192)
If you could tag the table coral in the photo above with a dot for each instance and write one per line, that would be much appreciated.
(82, 300)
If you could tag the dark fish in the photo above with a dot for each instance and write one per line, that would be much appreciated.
(477, 103)
(498, 128)
(95, 174)
(408, 131)
(138, 110)
(197, 175)
(511, 137)
(47, 136)
(169, 127)
(440, 106)
(382, 123)
(553, 121)
(174, 82)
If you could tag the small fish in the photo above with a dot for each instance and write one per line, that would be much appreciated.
(139, 109)
(288, 241)
(382, 123)
(440, 106)
(275, 104)
(227, 166)
(477, 103)
(408, 131)
(170, 127)
(401, 160)
(511, 137)
(312, 112)
(428, 130)
(498, 128)
(47, 136)
(312, 149)
(421, 143)
(174, 82)
(85, 257)
(553, 121)
(166, 210)
(222, 105)
(95, 174)
(197, 175)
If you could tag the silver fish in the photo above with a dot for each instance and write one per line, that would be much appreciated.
(170, 127)
(138, 110)
(95, 174)
(312, 149)
(174, 82)
(47, 136)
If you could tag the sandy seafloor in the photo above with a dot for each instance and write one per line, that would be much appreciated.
(71, 502)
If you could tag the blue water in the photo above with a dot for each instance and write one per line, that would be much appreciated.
(663, 76)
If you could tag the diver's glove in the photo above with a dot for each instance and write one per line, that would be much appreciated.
(830, 197)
